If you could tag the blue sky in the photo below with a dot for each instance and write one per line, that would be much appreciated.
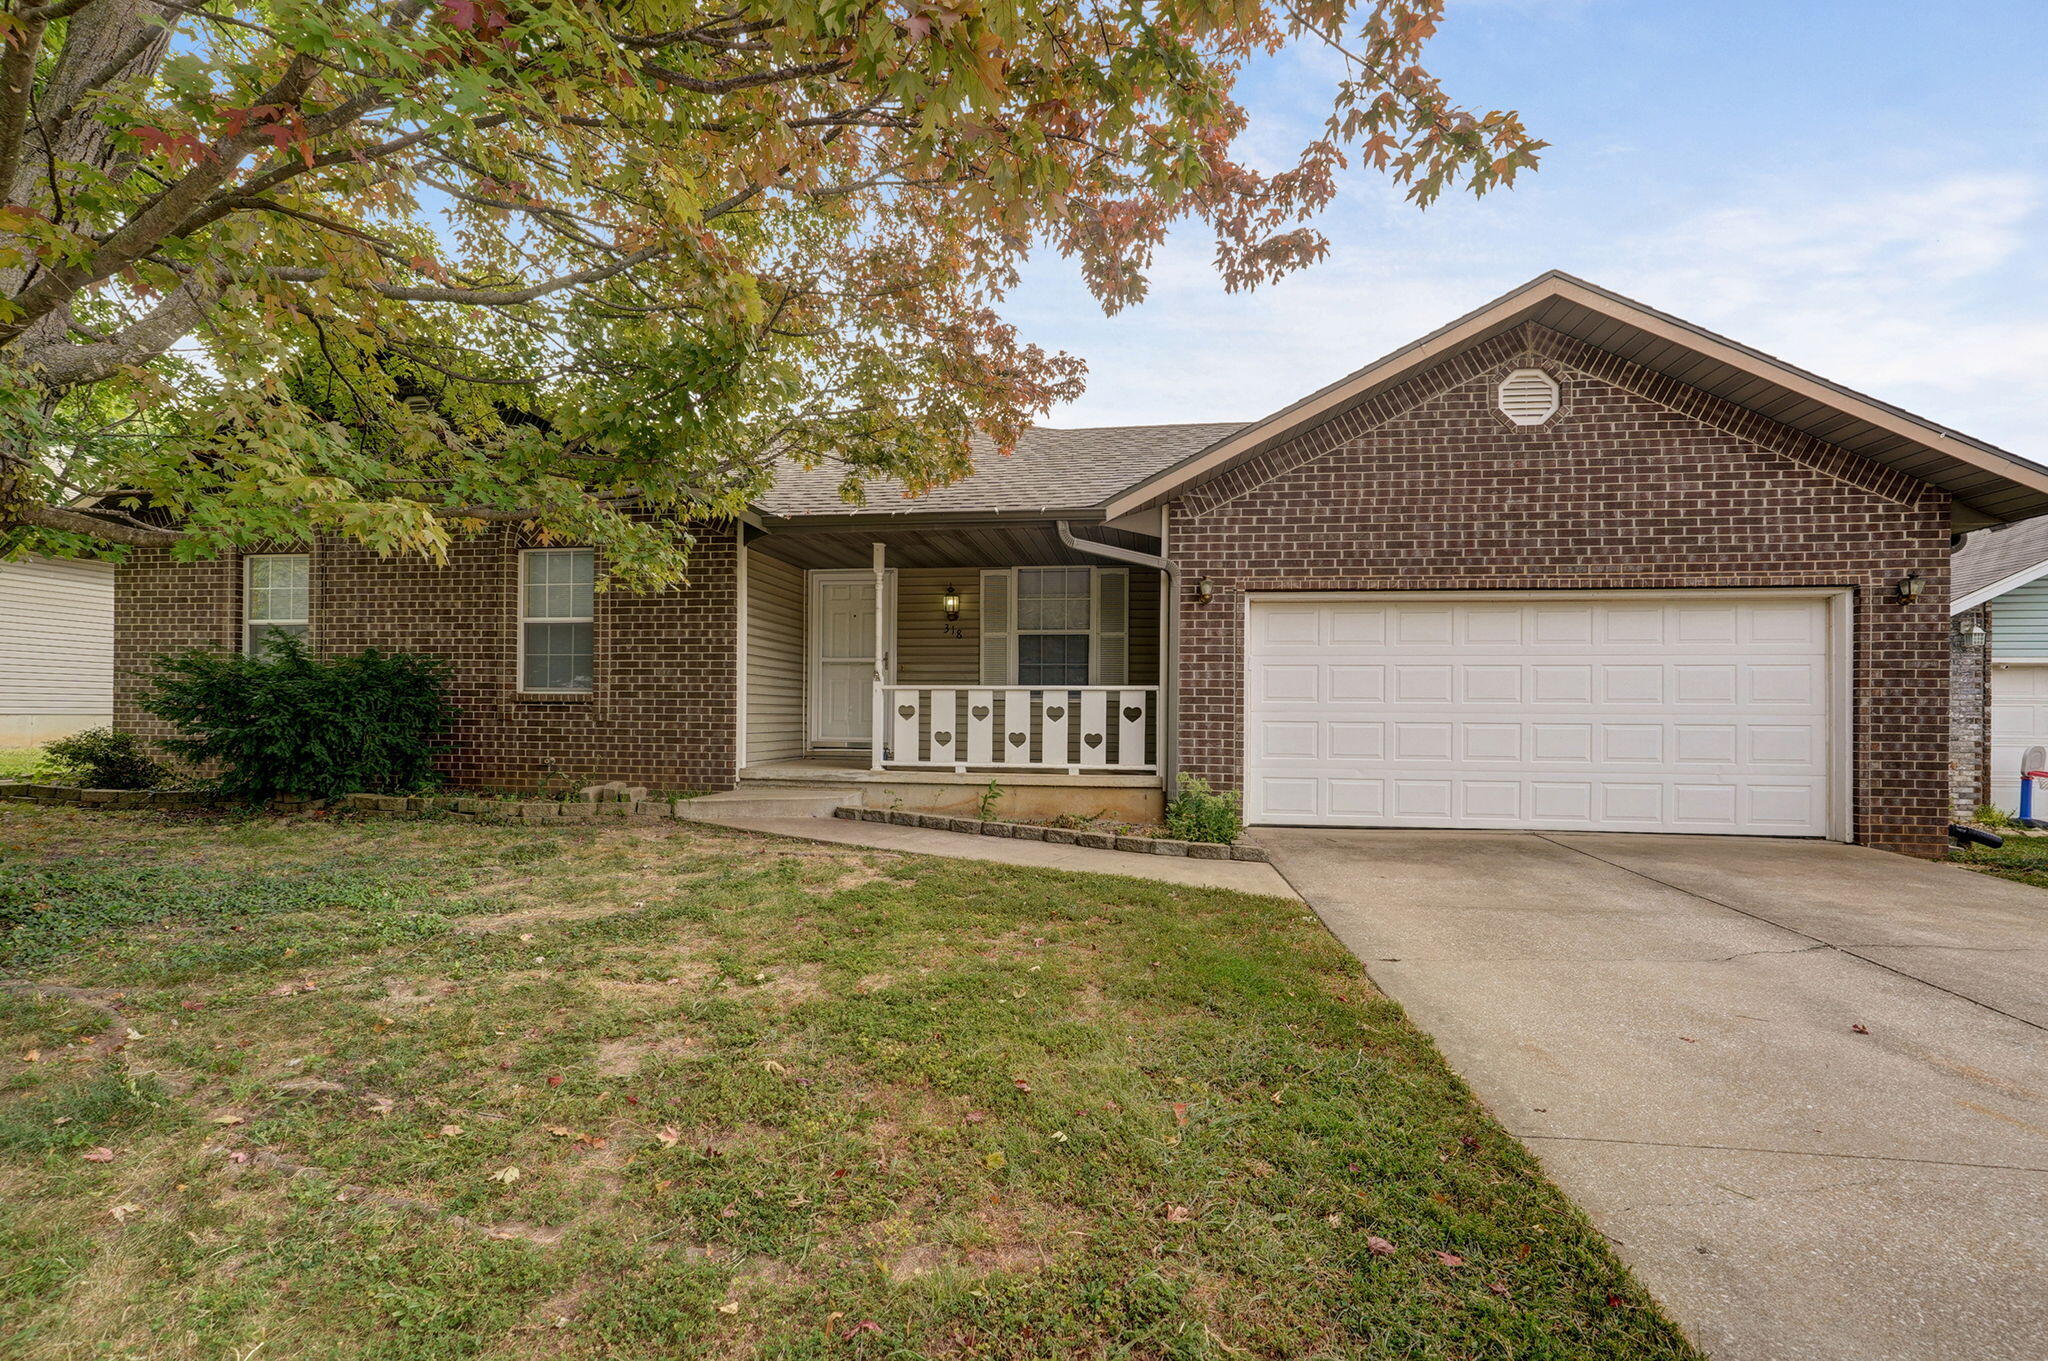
(1856, 186)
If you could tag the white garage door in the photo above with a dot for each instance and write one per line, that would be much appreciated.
(1670, 713)
(2019, 719)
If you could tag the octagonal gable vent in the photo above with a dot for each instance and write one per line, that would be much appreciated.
(1528, 396)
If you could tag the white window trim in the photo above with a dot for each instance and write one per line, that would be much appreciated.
(523, 619)
(1093, 632)
(249, 619)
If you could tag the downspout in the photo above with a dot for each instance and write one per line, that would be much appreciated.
(1169, 644)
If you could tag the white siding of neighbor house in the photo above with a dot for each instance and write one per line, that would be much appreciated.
(56, 648)
(775, 659)
(2019, 622)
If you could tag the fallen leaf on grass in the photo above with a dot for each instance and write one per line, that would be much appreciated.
(1499, 1288)
(555, 1081)
(98, 1155)
(1379, 1247)
(669, 1135)
(120, 1213)
(1449, 1258)
(729, 1307)
(229, 1120)
(1178, 1214)
(1020, 1084)
(1180, 1112)
(32, 1056)
(450, 1131)
(507, 1175)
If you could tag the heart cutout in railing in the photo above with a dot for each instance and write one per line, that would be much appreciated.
(943, 739)
(1016, 739)
(1093, 739)
(906, 711)
(1132, 713)
(1055, 712)
(980, 711)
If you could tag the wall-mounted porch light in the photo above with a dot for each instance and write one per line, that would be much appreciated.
(952, 605)
(1204, 592)
(1970, 630)
(1909, 588)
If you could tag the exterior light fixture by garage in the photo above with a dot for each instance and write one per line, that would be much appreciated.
(952, 606)
(1204, 592)
(1970, 630)
(1909, 588)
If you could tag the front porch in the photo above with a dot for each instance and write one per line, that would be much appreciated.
(1121, 797)
(921, 665)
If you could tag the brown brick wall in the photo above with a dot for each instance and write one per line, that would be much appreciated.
(1969, 718)
(661, 714)
(1640, 483)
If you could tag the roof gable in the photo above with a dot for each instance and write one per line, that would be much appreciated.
(1988, 485)
(1993, 562)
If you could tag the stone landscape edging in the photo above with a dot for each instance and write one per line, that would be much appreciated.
(585, 810)
(1058, 836)
(453, 805)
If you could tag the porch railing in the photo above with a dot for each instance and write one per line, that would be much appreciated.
(1075, 729)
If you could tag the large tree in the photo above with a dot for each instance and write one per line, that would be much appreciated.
(400, 269)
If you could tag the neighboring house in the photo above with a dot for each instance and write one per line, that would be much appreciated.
(56, 649)
(1567, 563)
(1998, 705)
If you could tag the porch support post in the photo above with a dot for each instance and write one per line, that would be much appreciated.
(878, 701)
(1169, 640)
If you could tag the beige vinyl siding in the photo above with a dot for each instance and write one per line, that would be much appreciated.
(775, 659)
(57, 639)
(926, 656)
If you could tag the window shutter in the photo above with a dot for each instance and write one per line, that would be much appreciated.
(1110, 655)
(998, 628)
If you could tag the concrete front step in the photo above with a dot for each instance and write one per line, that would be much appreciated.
(775, 801)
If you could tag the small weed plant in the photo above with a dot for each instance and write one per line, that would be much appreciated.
(1199, 813)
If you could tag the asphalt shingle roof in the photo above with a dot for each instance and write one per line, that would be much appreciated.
(1991, 555)
(1050, 470)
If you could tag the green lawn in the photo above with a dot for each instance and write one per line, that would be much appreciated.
(435, 1089)
(18, 762)
(2023, 859)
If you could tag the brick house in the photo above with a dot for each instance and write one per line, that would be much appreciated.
(1566, 563)
(1998, 686)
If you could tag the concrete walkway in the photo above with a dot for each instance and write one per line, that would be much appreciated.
(1671, 1023)
(1245, 876)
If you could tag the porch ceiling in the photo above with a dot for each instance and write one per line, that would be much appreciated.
(1035, 543)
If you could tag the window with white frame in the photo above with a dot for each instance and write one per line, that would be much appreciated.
(1054, 617)
(274, 600)
(556, 609)
(1048, 627)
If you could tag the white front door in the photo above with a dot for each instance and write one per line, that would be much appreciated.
(1687, 712)
(843, 656)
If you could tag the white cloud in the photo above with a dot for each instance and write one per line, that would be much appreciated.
(1921, 290)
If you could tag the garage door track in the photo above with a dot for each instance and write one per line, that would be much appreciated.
(1802, 1086)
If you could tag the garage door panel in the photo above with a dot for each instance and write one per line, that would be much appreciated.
(2019, 719)
(1566, 717)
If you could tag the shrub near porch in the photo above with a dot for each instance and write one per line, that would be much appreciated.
(623, 1093)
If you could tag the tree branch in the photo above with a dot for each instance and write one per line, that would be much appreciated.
(84, 522)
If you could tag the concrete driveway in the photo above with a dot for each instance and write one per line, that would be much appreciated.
(1669, 1022)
